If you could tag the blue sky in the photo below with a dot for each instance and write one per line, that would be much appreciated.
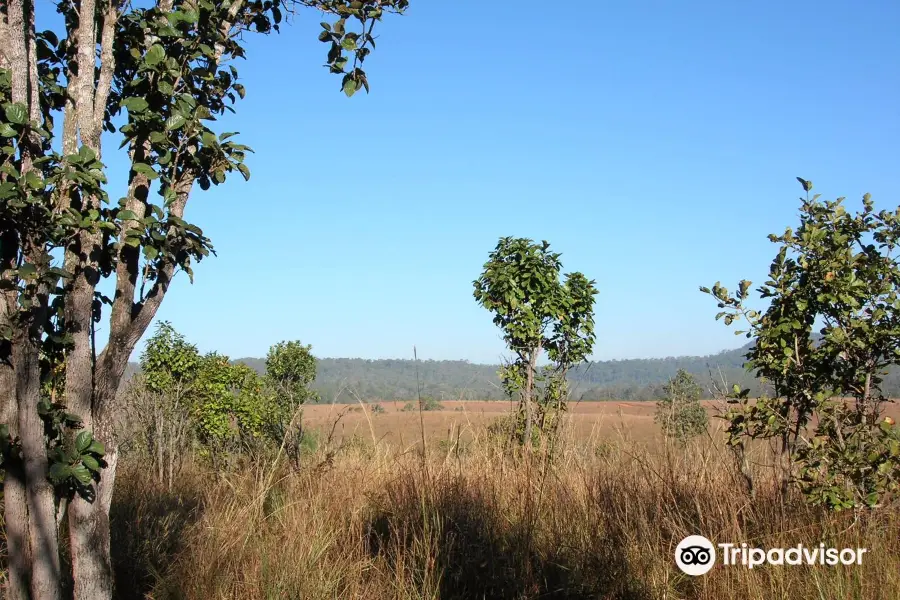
(654, 144)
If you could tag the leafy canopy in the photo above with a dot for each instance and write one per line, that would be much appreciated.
(831, 330)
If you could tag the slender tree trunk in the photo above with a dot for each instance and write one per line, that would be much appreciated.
(89, 521)
(528, 397)
(15, 515)
(15, 508)
(89, 525)
(39, 496)
(46, 575)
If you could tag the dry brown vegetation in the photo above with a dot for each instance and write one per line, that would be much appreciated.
(369, 517)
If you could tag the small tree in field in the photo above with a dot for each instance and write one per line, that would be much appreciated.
(679, 412)
(537, 313)
(152, 78)
(160, 400)
(290, 370)
(837, 275)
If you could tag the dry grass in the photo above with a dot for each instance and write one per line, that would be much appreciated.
(372, 519)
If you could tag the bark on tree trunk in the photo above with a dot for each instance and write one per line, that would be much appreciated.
(89, 521)
(46, 580)
(89, 537)
(15, 511)
(15, 515)
(39, 496)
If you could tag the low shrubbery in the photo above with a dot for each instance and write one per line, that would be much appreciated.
(427, 403)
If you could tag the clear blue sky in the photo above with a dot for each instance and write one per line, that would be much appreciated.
(654, 144)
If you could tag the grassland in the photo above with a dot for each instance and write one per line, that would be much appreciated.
(368, 516)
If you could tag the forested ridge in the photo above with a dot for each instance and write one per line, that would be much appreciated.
(349, 379)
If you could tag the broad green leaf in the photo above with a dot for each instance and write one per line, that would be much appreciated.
(135, 105)
(349, 87)
(82, 474)
(155, 55)
(175, 122)
(16, 113)
(83, 441)
(145, 169)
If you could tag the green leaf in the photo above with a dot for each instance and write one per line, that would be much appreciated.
(59, 472)
(82, 474)
(175, 122)
(83, 441)
(350, 87)
(135, 105)
(144, 169)
(16, 113)
(96, 448)
(91, 463)
(7, 131)
(27, 271)
(245, 171)
(155, 55)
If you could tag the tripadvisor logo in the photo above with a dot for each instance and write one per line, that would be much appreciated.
(696, 555)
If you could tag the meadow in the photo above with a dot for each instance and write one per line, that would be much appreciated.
(367, 514)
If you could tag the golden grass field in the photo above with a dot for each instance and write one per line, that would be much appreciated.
(368, 516)
(588, 420)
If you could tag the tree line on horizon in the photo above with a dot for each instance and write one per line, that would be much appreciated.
(342, 380)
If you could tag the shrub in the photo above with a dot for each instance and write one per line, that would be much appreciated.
(679, 412)
(428, 403)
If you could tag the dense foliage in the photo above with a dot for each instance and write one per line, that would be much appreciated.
(838, 276)
(184, 402)
(541, 313)
(679, 412)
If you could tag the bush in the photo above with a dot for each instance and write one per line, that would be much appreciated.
(679, 413)
(428, 403)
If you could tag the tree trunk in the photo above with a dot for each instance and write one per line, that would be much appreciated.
(89, 537)
(39, 495)
(46, 580)
(15, 515)
(88, 526)
(15, 508)
(528, 396)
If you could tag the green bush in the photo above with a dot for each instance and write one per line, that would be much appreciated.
(679, 412)
(428, 403)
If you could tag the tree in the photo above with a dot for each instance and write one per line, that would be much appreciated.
(290, 370)
(679, 412)
(831, 330)
(166, 72)
(159, 401)
(537, 312)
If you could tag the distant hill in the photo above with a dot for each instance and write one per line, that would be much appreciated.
(346, 379)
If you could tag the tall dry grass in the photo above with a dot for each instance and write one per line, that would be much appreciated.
(601, 520)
